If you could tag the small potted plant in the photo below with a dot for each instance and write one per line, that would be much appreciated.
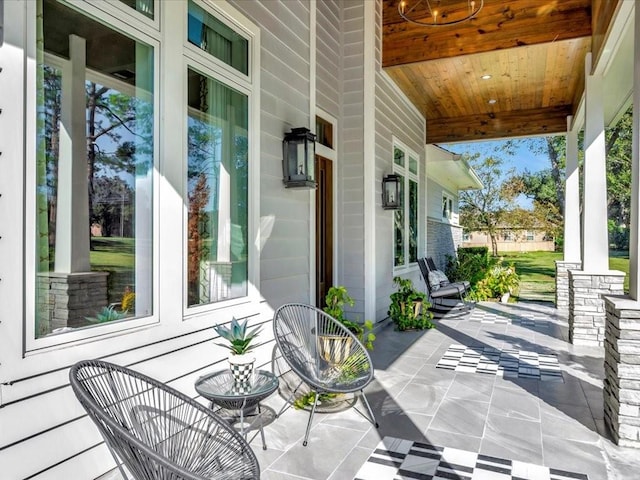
(239, 342)
(409, 307)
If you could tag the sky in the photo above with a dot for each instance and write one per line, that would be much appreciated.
(523, 158)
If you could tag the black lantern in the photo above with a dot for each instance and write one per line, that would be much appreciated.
(298, 150)
(391, 192)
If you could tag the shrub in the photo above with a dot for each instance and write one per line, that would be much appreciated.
(499, 280)
(471, 266)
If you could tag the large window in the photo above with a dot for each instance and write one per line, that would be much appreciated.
(218, 160)
(405, 165)
(217, 183)
(94, 167)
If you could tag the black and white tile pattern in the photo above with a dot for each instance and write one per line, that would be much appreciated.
(508, 363)
(532, 319)
(397, 459)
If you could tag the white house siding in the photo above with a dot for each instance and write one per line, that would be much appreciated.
(285, 90)
(443, 238)
(328, 56)
(395, 117)
(44, 432)
(350, 251)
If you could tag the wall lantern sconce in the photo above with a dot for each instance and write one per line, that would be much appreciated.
(391, 192)
(298, 150)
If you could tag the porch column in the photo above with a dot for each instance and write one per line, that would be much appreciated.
(622, 335)
(572, 245)
(74, 291)
(586, 306)
(72, 223)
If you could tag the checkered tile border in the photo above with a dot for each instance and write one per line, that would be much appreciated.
(506, 363)
(396, 459)
(523, 318)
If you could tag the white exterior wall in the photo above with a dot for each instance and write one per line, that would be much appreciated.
(285, 256)
(395, 117)
(328, 57)
(38, 409)
(350, 246)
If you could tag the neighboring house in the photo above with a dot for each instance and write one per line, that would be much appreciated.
(447, 174)
(511, 240)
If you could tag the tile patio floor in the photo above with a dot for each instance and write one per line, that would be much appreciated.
(557, 424)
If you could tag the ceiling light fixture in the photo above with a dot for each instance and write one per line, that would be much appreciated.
(492, 101)
(430, 13)
(485, 77)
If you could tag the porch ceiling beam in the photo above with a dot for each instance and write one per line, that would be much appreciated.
(538, 121)
(499, 25)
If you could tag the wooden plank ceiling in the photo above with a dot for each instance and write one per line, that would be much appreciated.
(533, 50)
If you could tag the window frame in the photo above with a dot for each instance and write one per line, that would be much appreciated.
(408, 176)
(206, 64)
(128, 27)
(450, 200)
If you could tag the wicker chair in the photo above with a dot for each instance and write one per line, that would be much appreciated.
(323, 353)
(158, 432)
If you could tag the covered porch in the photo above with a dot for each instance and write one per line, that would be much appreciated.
(520, 421)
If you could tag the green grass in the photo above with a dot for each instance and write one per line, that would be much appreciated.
(537, 272)
(115, 255)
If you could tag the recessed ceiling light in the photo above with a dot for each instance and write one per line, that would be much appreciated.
(492, 101)
(485, 77)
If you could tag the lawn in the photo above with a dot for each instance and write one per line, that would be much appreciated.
(537, 272)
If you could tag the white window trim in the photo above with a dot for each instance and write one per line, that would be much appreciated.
(29, 356)
(249, 85)
(449, 198)
(31, 344)
(407, 175)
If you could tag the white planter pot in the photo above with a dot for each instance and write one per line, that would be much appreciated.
(505, 297)
(241, 367)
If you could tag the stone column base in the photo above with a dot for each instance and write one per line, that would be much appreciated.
(562, 284)
(622, 370)
(71, 297)
(586, 306)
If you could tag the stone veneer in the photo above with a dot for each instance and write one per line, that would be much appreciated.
(562, 283)
(442, 239)
(587, 315)
(66, 299)
(622, 370)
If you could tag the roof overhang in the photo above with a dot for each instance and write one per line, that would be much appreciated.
(450, 170)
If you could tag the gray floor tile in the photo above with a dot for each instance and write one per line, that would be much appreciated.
(319, 459)
(570, 422)
(350, 466)
(454, 440)
(419, 398)
(461, 416)
(472, 386)
(512, 438)
(513, 403)
(575, 456)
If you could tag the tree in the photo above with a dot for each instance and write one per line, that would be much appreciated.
(487, 209)
(618, 140)
(112, 206)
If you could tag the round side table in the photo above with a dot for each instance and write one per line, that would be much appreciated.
(221, 390)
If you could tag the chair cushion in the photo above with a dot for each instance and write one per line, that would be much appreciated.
(437, 279)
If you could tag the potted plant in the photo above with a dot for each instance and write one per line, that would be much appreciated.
(337, 297)
(239, 342)
(409, 307)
